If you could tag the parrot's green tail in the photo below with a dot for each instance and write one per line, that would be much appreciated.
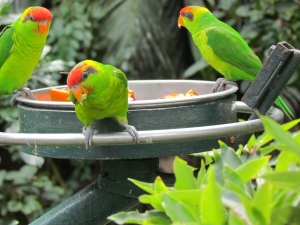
(279, 101)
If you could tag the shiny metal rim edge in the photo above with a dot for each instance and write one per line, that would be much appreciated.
(141, 103)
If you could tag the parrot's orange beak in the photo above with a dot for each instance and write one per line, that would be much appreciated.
(44, 27)
(79, 92)
(180, 22)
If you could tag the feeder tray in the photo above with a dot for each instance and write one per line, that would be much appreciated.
(166, 126)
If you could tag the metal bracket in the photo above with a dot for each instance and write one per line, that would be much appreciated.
(270, 81)
(273, 77)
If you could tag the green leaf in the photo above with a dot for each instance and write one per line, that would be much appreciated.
(230, 186)
(211, 204)
(229, 156)
(232, 200)
(266, 137)
(154, 200)
(226, 5)
(248, 170)
(263, 201)
(219, 167)
(234, 182)
(285, 159)
(160, 186)
(177, 210)
(31, 206)
(201, 175)
(190, 197)
(284, 197)
(285, 215)
(152, 217)
(280, 135)
(148, 187)
(184, 175)
(242, 11)
(13, 222)
(234, 219)
(268, 149)
(239, 151)
(251, 142)
(14, 205)
(28, 170)
(208, 159)
(289, 179)
(11, 175)
(253, 214)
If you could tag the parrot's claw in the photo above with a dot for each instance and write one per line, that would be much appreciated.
(88, 133)
(19, 93)
(221, 83)
(132, 131)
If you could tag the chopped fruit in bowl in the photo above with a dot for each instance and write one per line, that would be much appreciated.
(131, 95)
(60, 95)
(190, 93)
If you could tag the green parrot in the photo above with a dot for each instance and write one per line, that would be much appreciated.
(21, 45)
(223, 47)
(99, 91)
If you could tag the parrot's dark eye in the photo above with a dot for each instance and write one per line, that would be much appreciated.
(87, 72)
(188, 15)
(29, 17)
(84, 76)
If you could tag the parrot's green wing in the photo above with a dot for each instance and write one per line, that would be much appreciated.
(230, 47)
(6, 43)
(120, 75)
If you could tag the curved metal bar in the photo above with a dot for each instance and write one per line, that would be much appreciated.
(146, 137)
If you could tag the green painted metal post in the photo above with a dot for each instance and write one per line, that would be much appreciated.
(111, 193)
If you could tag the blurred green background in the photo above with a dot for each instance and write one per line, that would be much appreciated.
(140, 37)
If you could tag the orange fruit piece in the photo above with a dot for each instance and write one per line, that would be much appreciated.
(131, 95)
(60, 95)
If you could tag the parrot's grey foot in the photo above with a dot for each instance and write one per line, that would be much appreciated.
(221, 83)
(19, 93)
(132, 131)
(88, 133)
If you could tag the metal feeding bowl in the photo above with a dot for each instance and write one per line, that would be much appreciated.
(166, 126)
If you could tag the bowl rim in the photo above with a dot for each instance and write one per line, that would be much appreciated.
(151, 103)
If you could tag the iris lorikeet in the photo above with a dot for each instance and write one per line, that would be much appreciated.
(223, 47)
(99, 91)
(21, 45)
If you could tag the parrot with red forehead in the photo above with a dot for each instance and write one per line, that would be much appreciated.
(223, 48)
(99, 91)
(21, 45)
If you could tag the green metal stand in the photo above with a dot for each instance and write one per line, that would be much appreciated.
(109, 194)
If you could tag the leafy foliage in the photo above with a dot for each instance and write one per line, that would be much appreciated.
(235, 189)
(135, 36)
(23, 191)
